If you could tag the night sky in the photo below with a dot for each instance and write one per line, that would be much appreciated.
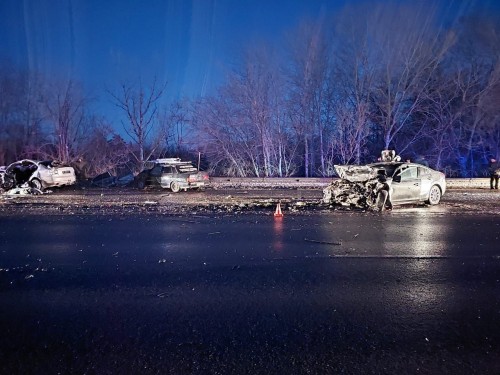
(191, 44)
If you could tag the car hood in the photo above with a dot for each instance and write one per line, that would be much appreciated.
(356, 173)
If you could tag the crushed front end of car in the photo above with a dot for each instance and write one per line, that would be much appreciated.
(357, 187)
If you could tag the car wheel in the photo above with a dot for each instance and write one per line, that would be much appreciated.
(36, 184)
(434, 195)
(141, 184)
(174, 186)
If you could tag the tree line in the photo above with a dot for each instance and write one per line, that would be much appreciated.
(336, 90)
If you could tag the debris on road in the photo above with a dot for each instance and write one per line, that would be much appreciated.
(324, 242)
(24, 190)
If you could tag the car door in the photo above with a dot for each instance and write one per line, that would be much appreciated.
(155, 175)
(427, 181)
(406, 185)
(167, 175)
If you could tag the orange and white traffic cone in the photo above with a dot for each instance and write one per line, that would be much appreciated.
(278, 212)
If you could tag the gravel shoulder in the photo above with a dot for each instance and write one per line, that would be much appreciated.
(216, 199)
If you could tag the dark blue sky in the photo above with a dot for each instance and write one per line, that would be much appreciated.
(189, 43)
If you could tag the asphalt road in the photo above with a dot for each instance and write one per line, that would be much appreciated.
(415, 290)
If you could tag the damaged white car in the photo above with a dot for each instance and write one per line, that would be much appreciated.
(409, 183)
(36, 174)
(173, 174)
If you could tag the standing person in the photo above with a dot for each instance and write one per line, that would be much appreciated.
(383, 192)
(494, 170)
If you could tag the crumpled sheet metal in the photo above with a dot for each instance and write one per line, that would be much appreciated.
(351, 194)
(355, 173)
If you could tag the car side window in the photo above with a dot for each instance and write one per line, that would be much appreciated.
(423, 172)
(409, 174)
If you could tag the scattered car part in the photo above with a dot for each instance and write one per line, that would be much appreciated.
(6, 181)
(24, 190)
(107, 179)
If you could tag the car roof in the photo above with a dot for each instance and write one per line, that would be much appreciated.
(391, 166)
(395, 164)
(170, 161)
(166, 162)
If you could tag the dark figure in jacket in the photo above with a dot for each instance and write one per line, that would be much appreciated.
(383, 192)
(494, 170)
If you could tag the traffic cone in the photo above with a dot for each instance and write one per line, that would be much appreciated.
(278, 212)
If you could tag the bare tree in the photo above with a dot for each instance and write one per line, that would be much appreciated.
(441, 115)
(214, 123)
(102, 151)
(140, 105)
(21, 113)
(12, 84)
(256, 92)
(352, 85)
(173, 123)
(308, 71)
(245, 126)
(65, 108)
(474, 68)
(405, 60)
(490, 128)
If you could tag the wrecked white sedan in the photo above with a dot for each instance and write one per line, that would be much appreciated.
(409, 183)
(36, 174)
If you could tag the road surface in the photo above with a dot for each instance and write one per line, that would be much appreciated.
(412, 291)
